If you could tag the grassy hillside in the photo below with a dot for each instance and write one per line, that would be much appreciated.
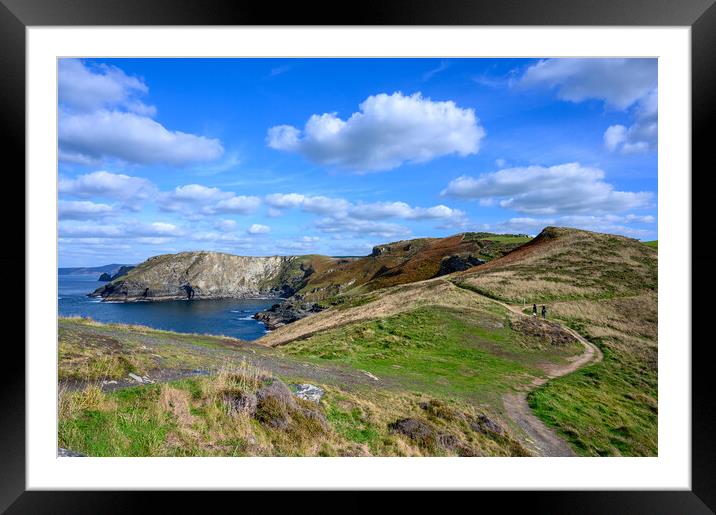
(427, 381)
(605, 287)
(400, 262)
(423, 367)
(653, 243)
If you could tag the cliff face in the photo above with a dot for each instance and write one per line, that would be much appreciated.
(205, 275)
(307, 279)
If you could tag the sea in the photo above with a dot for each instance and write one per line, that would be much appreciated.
(229, 317)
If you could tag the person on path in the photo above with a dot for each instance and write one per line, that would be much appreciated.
(544, 311)
(534, 310)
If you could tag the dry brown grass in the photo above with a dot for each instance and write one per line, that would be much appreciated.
(70, 403)
(568, 264)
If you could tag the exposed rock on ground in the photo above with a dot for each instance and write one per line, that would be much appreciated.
(66, 453)
(242, 402)
(415, 429)
(483, 424)
(309, 392)
(458, 263)
(277, 407)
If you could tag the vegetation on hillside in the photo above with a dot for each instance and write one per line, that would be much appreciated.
(411, 364)
(605, 287)
(208, 415)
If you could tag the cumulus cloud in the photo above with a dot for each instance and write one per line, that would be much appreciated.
(132, 191)
(642, 135)
(82, 210)
(342, 208)
(620, 83)
(363, 227)
(89, 87)
(132, 138)
(381, 210)
(537, 190)
(131, 229)
(310, 204)
(196, 200)
(100, 117)
(259, 229)
(388, 131)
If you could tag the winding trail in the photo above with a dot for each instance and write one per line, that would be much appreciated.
(542, 440)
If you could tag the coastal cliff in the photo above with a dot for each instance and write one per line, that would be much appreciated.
(206, 275)
(307, 284)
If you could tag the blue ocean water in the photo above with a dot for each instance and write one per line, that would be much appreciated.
(230, 317)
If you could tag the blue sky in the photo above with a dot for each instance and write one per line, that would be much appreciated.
(333, 156)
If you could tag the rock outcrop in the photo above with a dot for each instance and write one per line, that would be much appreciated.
(123, 270)
(287, 312)
(308, 283)
(204, 275)
(458, 263)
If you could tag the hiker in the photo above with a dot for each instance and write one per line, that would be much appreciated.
(534, 310)
(544, 311)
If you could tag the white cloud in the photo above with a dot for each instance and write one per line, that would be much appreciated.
(226, 225)
(612, 224)
(196, 200)
(614, 136)
(325, 205)
(131, 229)
(82, 88)
(259, 229)
(284, 200)
(132, 138)
(82, 210)
(310, 204)
(100, 117)
(642, 135)
(620, 83)
(363, 227)
(536, 190)
(239, 204)
(381, 210)
(342, 208)
(130, 190)
(388, 131)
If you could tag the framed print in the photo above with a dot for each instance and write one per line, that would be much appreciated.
(421, 249)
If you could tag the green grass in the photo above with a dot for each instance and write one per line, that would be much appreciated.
(353, 425)
(470, 354)
(133, 428)
(606, 409)
(653, 243)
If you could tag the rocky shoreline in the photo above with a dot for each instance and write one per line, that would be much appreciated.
(287, 312)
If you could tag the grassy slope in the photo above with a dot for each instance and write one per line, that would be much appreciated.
(447, 352)
(427, 340)
(397, 263)
(460, 361)
(606, 288)
(653, 243)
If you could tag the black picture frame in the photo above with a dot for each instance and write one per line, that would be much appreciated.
(17, 15)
